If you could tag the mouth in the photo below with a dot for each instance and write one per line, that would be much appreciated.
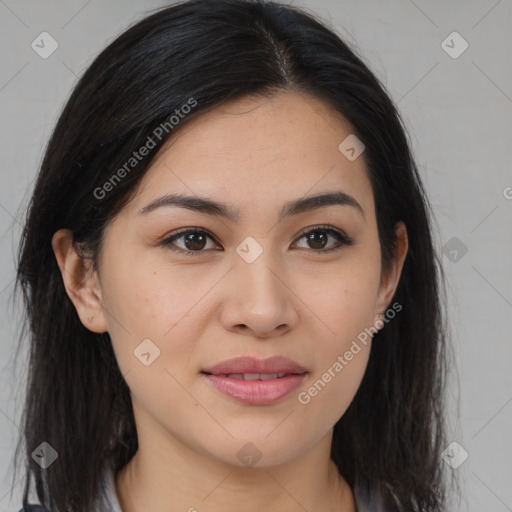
(255, 366)
(251, 376)
(254, 381)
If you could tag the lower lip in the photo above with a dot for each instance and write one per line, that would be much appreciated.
(256, 392)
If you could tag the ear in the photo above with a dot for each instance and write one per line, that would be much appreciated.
(81, 282)
(389, 281)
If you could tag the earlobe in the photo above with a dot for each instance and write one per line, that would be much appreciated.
(80, 281)
(391, 279)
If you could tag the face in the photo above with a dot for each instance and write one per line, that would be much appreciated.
(263, 273)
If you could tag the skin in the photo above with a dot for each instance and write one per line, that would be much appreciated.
(254, 154)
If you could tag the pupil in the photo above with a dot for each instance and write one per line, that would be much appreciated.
(191, 238)
(317, 237)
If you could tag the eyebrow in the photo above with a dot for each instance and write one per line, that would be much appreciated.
(211, 207)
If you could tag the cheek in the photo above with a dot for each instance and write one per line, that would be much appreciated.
(329, 393)
(162, 303)
(346, 309)
(344, 297)
(148, 296)
(340, 363)
(152, 317)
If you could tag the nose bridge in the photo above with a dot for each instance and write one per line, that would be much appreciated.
(256, 268)
(259, 297)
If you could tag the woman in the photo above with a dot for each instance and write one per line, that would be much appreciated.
(230, 280)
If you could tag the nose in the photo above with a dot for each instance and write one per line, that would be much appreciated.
(258, 299)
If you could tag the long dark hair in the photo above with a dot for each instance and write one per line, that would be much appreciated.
(389, 441)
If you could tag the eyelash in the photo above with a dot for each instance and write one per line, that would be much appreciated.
(341, 238)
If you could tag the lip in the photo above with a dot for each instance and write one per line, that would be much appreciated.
(256, 392)
(276, 364)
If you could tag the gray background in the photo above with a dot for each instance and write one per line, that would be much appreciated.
(458, 112)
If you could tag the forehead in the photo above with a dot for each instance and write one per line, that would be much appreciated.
(259, 151)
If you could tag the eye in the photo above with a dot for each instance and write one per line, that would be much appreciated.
(318, 239)
(193, 241)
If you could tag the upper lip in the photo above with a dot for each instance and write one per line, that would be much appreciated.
(276, 364)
